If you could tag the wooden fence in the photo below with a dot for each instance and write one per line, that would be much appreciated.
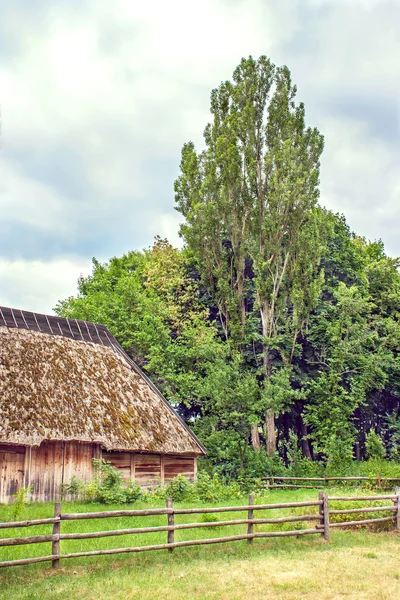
(322, 517)
(279, 482)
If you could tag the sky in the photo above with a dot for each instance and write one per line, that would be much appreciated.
(97, 99)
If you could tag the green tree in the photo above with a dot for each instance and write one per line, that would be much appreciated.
(250, 199)
(150, 303)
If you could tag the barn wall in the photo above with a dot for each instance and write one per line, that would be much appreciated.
(51, 464)
(12, 461)
(45, 468)
(151, 469)
(54, 463)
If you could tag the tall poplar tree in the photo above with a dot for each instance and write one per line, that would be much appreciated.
(251, 219)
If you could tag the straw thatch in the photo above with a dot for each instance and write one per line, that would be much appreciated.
(55, 388)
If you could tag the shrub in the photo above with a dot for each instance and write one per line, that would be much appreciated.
(21, 499)
(133, 491)
(209, 518)
(374, 447)
(213, 489)
(258, 464)
(178, 488)
(298, 464)
(107, 486)
(339, 454)
(73, 488)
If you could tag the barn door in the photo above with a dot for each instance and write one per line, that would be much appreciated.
(11, 472)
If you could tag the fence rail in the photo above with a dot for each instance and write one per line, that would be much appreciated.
(322, 528)
(270, 482)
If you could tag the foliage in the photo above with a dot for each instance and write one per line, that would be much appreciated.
(178, 488)
(393, 431)
(374, 447)
(106, 486)
(275, 317)
(21, 499)
(251, 222)
(297, 464)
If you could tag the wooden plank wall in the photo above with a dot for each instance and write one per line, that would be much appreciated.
(45, 468)
(51, 464)
(151, 469)
(55, 463)
(12, 459)
(148, 469)
(173, 465)
(46, 471)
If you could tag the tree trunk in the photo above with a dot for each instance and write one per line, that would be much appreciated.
(271, 433)
(255, 438)
(357, 450)
(305, 444)
(269, 415)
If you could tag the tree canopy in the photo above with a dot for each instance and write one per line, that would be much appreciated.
(275, 324)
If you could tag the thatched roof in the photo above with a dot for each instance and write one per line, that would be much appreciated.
(70, 380)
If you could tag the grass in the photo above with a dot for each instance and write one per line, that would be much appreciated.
(358, 564)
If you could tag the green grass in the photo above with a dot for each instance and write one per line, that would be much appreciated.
(304, 567)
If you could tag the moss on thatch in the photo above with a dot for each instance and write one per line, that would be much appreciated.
(55, 388)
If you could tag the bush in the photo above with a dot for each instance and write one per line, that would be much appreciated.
(106, 487)
(178, 488)
(258, 464)
(298, 464)
(213, 489)
(339, 454)
(209, 518)
(73, 488)
(21, 499)
(374, 447)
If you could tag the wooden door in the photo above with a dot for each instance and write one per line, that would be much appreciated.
(11, 472)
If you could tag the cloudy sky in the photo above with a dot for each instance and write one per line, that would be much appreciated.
(98, 97)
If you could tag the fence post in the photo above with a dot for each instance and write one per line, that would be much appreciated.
(250, 516)
(397, 506)
(170, 523)
(55, 545)
(324, 512)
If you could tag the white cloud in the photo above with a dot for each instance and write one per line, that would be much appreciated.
(31, 202)
(97, 102)
(38, 286)
(361, 181)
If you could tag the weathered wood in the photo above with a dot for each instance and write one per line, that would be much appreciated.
(114, 513)
(170, 524)
(288, 485)
(54, 463)
(294, 478)
(267, 534)
(178, 511)
(250, 518)
(359, 498)
(34, 539)
(162, 471)
(55, 545)
(25, 561)
(119, 532)
(12, 460)
(332, 478)
(363, 510)
(397, 507)
(189, 511)
(33, 523)
(324, 512)
(363, 522)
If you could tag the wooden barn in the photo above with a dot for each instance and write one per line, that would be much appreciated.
(68, 394)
